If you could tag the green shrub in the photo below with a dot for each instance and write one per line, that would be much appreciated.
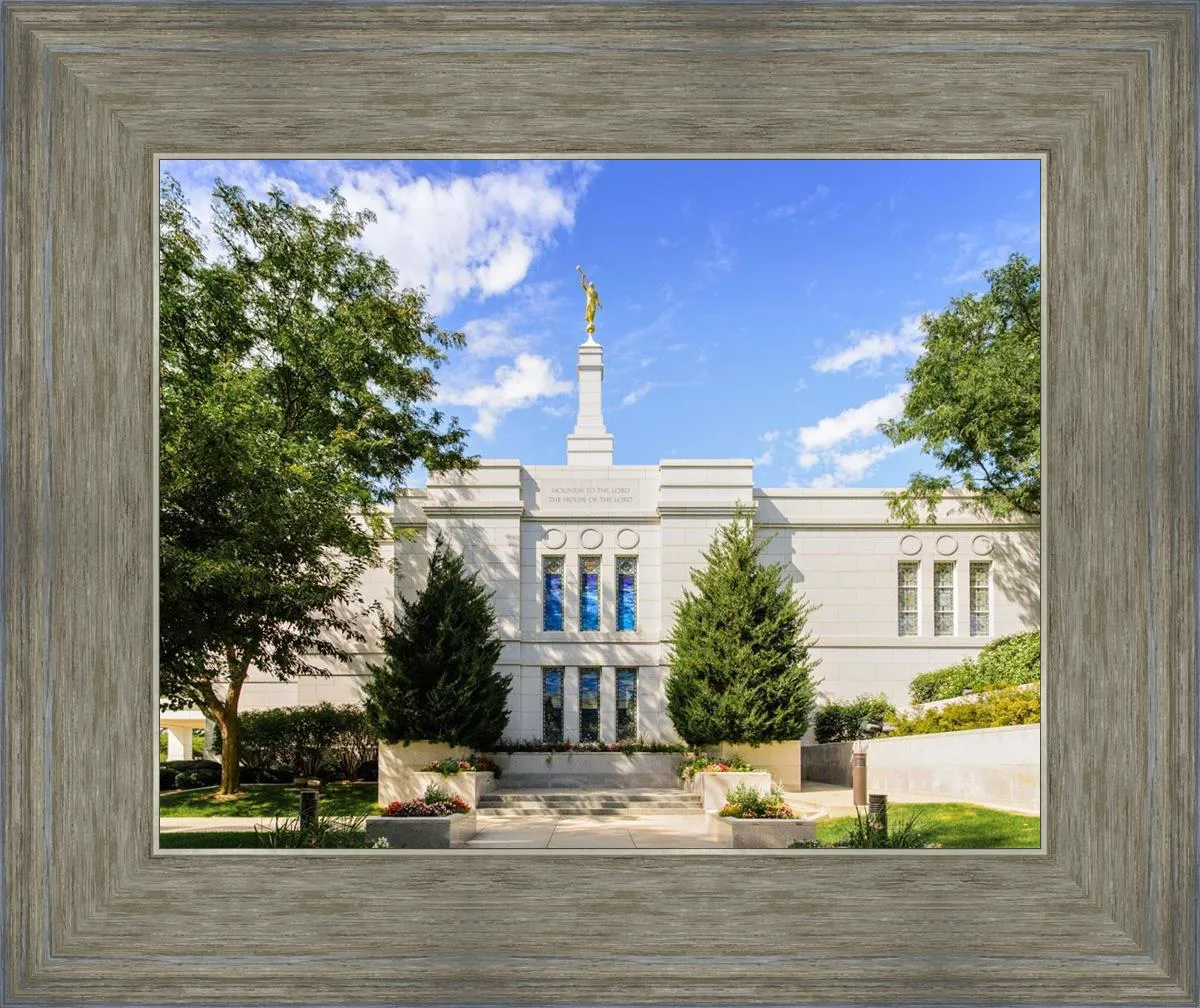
(846, 722)
(1009, 661)
(321, 740)
(1008, 706)
(189, 774)
(327, 832)
(906, 833)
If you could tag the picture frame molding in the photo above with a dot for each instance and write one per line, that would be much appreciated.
(95, 93)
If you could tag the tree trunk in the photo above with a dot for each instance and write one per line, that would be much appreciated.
(231, 752)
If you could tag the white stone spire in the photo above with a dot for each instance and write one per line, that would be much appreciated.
(590, 444)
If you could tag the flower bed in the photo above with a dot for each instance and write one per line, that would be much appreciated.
(706, 763)
(463, 764)
(751, 818)
(438, 819)
(631, 746)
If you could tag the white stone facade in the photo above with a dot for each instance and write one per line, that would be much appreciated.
(839, 548)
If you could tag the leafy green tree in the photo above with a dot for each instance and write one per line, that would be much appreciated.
(439, 681)
(295, 389)
(975, 400)
(740, 662)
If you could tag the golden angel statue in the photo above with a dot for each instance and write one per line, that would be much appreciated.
(593, 301)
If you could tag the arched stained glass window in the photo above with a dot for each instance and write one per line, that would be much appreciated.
(552, 593)
(589, 593)
(626, 593)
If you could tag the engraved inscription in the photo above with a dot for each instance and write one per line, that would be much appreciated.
(585, 495)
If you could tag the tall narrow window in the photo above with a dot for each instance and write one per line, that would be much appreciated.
(589, 705)
(589, 593)
(627, 722)
(626, 593)
(981, 599)
(943, 599)
(552, 705)
(552, 593)
(906, 599)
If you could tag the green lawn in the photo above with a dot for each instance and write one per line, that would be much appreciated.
(271, 800)
(216, 838)
(954, 825)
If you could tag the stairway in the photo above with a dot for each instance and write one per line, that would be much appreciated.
(631, 802)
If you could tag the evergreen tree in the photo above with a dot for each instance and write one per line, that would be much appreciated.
(438, 682)
(740, 667)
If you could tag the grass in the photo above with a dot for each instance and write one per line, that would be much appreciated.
(226, 839)
(271, 800)
(956, 825)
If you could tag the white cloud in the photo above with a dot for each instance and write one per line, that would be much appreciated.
(513, 386)
(988, 247)
(857, 421)
(638, 393)
(456, 236)
(871, 347)
(850, 467)
(769, 439)
(492, 338)
(791, 209)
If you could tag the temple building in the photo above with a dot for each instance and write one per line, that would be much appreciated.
(587, 560)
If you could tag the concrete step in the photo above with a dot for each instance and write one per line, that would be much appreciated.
(558, 802)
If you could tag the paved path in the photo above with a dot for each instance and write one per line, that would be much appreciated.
(583, 832)
(212, 824)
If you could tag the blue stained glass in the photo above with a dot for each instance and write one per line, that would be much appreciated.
(552, 593)
(589, 593)
(627, 718)
(552, 705)
(589, 705)
(627, 594)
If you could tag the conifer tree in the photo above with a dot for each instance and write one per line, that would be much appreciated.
(439, 682)
(740, 663)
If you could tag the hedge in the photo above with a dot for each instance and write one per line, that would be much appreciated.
(1009, 661)
(1008, 706)
(846, 722)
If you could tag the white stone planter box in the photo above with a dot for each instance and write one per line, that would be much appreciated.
(400, 765)
(713, 787)
(782, 760)
(422, 831)
(760, 833)
(589, 770)
(469, 785)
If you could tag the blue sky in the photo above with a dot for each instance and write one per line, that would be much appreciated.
(750, 309)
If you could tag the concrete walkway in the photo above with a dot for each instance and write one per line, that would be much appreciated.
(212, 824)
(583, 832)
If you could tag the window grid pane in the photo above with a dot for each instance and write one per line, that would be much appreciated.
(589, 593)
(552, 593)
(626, 593)
(943, 599)
(906, 599)
(626, 704)
(552, 705)
(589, 705)
(981, 601)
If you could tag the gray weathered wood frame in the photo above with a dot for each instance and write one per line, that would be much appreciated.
(1107, 93)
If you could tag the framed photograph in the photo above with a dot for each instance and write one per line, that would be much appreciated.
(100, 99)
